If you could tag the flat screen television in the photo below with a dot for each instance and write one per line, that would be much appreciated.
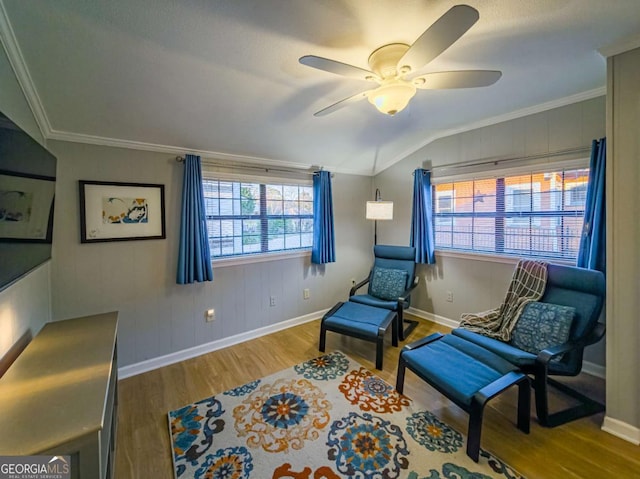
(27, 189)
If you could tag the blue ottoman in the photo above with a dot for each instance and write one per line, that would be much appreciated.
(468, 375)
(362, 322)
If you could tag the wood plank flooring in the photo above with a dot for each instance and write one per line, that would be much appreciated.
(575, 450)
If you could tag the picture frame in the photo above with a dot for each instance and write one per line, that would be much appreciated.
(111, 211)
(26, 207)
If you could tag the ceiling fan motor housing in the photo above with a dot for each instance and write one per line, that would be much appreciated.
(384, 61)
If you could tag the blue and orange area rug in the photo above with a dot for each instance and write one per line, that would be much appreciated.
(327, 418)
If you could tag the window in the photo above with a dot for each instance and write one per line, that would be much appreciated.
(520, 199)
(443, 204)
(245, 218)
(535, 215)
(576, 194)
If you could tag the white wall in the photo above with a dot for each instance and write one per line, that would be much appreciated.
(24, 306)
(137, 278)
(623, 245)
(480, 285)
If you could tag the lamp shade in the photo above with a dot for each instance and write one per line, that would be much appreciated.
(392, 96)
(379, 210)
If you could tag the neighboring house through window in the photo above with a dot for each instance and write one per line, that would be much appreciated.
(533, 215)
(254, 217)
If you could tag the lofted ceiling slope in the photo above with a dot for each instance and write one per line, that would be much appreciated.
(221, 78)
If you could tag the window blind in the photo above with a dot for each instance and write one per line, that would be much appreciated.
(537, 214)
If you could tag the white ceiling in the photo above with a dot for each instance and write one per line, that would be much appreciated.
(221, 77)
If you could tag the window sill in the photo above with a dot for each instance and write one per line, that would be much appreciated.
(492, 258)
(259, 258)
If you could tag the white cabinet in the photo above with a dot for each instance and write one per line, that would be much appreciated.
(60, 396)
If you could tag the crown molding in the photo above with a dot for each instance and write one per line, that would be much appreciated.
(629, 43)
(262, 161)
(550, 105)
(14, 54)
(180, 150)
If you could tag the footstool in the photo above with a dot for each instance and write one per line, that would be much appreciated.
(363, 322)
(468, 375)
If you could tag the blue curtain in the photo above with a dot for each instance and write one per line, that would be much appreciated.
(194, 257)
(324, 247)
(591, 253)
(421, 218)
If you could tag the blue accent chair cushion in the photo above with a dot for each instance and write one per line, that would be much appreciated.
(388, 284)
(359, 318)
(457, 367)
(542, 325)
(507, 351)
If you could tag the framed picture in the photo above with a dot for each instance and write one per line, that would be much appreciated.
(121, 211)
(26, 207)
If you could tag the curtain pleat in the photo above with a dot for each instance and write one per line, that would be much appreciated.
(324, 248)
(421, 218)
(591, 253)
(194, 257)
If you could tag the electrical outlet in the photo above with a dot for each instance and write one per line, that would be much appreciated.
(450, 296)
(272, 301)
(306, 294)
(210, 315)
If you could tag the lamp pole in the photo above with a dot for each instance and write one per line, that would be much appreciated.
(375, 222)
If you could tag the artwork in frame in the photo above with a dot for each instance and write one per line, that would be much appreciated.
(26, 207)
(112, 211)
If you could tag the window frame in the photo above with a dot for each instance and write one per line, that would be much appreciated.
(533, 218)
(263, 216)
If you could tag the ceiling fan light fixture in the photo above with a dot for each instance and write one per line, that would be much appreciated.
(392, 96)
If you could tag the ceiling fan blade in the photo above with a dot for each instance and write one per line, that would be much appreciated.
(457, 79)
(342, 103)
(439, 36)
(339, 68)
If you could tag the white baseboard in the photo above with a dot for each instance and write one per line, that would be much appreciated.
(587, 367)
(594, 369)
(622, 430)
(155, 363)
(434, 318)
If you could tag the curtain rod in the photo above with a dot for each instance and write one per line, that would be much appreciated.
(180, 159)
(582, 149)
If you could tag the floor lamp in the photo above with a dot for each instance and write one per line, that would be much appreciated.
(383, 210)
(378, 210)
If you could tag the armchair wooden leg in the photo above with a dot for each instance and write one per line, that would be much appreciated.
(323, 337)
(524, 405)
(394, 331)
(400, 375)
(379, 351)
(405, 326)
(474, 430)
(541, 384)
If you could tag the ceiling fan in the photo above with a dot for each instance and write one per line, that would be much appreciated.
(393, 66)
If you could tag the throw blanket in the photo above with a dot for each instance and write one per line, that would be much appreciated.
(527, 285)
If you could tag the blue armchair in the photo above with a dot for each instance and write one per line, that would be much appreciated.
(578, 288)
(391, 281)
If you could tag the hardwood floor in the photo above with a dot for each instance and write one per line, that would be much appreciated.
(575, 450)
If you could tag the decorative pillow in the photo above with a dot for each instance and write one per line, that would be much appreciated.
(387, 283)
(542, 325)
